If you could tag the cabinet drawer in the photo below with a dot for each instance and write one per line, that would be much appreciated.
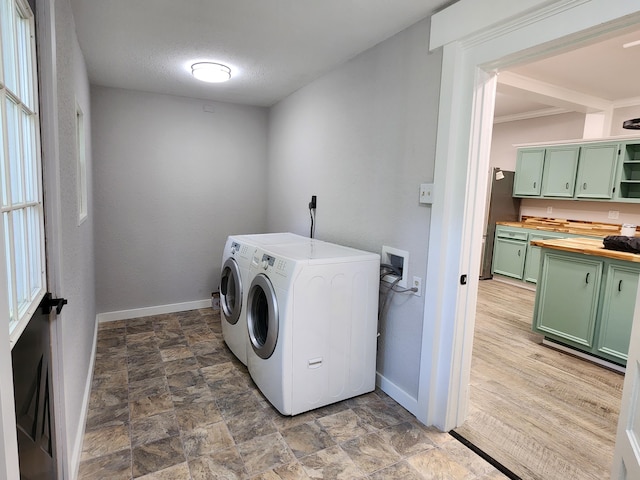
(512, 234)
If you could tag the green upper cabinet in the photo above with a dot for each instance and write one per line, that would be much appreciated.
(528, 178)
(559, 173)
(596, 171)
(590, 170)
(629, 173)
(618, 303)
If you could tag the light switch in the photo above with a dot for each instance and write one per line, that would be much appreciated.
(426, 193)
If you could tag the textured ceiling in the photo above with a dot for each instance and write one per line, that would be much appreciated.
(273, 47)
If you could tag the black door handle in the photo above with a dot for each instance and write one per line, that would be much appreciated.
(48, 303)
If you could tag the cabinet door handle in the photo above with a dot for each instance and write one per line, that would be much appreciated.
(534, 184)
(584, 186)
(620, 286)
(567, 186)
(518, 252)
(587, 277)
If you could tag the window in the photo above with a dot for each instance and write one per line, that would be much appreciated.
(81, 159)
(22, 208)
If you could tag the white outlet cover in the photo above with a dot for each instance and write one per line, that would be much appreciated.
(426, 193)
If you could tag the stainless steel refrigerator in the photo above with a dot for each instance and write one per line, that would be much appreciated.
(501, 206)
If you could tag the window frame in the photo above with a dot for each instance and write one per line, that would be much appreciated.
(21, 203)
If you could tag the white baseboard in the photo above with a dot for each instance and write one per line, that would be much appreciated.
(399, 395)
(76, 455)
(148, 311)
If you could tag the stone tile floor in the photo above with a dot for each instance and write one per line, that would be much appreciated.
(169, 401)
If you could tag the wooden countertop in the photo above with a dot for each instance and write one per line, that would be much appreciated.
(586, 246)
(591, 229)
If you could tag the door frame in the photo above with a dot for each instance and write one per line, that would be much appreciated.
(475, 46)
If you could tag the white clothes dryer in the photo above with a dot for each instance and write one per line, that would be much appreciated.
(234, 277)
(312, 323)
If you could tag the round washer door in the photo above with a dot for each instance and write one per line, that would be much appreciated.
(231, 291)
(262, 316)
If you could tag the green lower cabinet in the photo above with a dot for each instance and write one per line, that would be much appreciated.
(532, 260)
(587, 302)
(618, 303)
(567, 299)
(508, 257)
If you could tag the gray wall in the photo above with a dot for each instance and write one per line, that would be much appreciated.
(362, 138)
(172, 182)
(77, 323)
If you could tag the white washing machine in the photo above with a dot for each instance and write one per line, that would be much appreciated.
(312, 322)
(234, 277)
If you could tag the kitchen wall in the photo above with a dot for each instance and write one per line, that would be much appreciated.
(551, 128)
(172, 182)
(362, 138)
(567, 126)
(622, 114)
(76, 325)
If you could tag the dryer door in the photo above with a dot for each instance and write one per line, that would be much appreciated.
(262, 316)
(231, 291)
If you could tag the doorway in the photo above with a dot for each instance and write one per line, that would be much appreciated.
(597, 423)
(462, 164)
(471, 56)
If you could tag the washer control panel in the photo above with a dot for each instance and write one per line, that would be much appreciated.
(267, 261)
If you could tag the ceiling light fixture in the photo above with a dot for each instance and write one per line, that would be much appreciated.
(211, 72)
(631, 44)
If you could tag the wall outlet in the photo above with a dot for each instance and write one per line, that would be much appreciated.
(614, 214)
(549, 210)
(417, 283)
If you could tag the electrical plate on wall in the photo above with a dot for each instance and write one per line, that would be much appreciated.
(426, 193)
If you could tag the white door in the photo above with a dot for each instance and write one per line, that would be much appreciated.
(626, 458)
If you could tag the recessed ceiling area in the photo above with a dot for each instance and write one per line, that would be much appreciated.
(585, 79)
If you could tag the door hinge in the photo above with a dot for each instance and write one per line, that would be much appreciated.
(48, 303)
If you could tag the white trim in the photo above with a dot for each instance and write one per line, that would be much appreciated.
(543, 112)
(395, 392)
(626, 102)
(148, 311)
(463, 18)
(76, 453)
(21, 324)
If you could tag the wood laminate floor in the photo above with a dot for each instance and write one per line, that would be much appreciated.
(542, 413)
